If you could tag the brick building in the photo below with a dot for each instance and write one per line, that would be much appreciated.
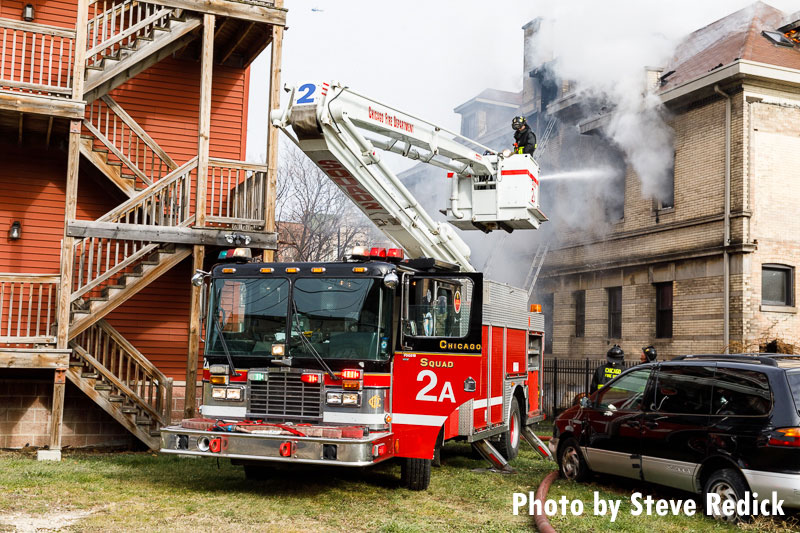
(122, 130)
(713, 266)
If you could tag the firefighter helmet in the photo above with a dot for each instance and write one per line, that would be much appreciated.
(615, 354)
(650, 353)
(518, 122)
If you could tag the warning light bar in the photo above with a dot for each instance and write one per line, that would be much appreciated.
(311, 378)
(377, 253)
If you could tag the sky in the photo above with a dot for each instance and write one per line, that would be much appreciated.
(427, 57)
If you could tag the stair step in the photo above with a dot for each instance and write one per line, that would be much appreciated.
(102, 386)
(143, 421)
(155, 433)
(115, 398)
(90, 375)
(161, 28)
(130, 410)
(75, 363)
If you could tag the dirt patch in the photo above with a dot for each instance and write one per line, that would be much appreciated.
(53, 521)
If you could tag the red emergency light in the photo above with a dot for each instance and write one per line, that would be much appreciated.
(377, 253)
(395, 253)
(310, 378)
(351, 374)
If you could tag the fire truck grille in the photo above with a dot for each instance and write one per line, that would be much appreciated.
(284, 397)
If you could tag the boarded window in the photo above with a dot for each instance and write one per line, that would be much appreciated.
(614, 312)
(776, 285)
(580, 313)
(664, 310)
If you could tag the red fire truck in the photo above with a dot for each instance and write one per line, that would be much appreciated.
(390, 352)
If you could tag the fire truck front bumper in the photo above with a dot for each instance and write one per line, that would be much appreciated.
(365, 451)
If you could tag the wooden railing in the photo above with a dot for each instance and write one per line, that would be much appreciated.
(106, 352)
(166, 203)
(36, 58)
(28, 308)
(114, 25)
(127, 142)
(235, 194)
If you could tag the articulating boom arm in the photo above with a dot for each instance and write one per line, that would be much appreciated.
(343, 131)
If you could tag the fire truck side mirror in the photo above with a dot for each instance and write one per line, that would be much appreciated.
(469, 385)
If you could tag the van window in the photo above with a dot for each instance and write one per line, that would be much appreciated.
(625, 393)
(684, 390)
(741, 393)
(794, 385)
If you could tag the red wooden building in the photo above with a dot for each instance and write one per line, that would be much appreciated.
(122, 135)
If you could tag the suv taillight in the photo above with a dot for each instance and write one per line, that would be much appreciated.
(785, 437)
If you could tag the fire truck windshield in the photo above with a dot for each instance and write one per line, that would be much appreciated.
(342, 318)
(251, 313)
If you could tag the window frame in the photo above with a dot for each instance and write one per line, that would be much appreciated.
(608, 388)
(614, 314)
(579, 298)
(788, 270)
(661, 312)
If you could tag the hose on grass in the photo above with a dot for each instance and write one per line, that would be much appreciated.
(540, 519)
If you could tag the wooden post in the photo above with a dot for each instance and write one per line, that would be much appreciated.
(270, 190)
(68, 243)
(203, 141)
(204, 124)
(190, 396)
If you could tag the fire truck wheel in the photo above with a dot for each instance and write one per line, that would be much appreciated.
(509, 441)
(256, 472)
(570, 461)
(415, 474)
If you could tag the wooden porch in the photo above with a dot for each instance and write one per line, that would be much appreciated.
(55, 84)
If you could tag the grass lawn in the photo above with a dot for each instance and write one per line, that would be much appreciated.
(148, 492)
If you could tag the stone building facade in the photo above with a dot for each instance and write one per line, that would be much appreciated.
(656, 271)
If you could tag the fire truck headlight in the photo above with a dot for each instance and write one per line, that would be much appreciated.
(350, 398)
(218, 393)
(334, 398)
(233, 394)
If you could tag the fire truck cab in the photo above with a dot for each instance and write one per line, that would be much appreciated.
(352, 363)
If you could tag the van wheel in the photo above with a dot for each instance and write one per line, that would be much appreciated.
(415, 474)
(729, 485)
(571, 464)
(509, 441)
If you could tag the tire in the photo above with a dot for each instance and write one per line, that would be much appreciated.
(415, 474)
(255, 472)
(571, 464)
(729, 485)
(509, 441)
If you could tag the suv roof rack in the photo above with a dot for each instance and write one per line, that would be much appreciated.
(764, 359)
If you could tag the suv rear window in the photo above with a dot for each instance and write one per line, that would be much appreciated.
(794, 384)
(740, 392)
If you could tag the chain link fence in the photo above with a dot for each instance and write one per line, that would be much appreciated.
(565, 379)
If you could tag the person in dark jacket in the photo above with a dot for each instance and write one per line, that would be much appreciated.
(649, 354)
(613, 368)
(524, 138)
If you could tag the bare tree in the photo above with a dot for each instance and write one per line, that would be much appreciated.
(317, 221)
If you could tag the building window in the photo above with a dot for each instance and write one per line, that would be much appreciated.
(667, 196)
(664, 310)
(469, 124)
(777, 285)
(547, 311)
(614, 312)
(580, 313)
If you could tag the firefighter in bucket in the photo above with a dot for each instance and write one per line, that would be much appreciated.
(524, 138)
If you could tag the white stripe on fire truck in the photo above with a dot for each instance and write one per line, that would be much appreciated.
(481, 404)
(418, 420)
(223, 410)
(353, 418)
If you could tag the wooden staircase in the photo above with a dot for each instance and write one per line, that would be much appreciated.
(128, 37)
(108, 369)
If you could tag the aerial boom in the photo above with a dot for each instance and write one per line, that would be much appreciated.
(343, 132)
